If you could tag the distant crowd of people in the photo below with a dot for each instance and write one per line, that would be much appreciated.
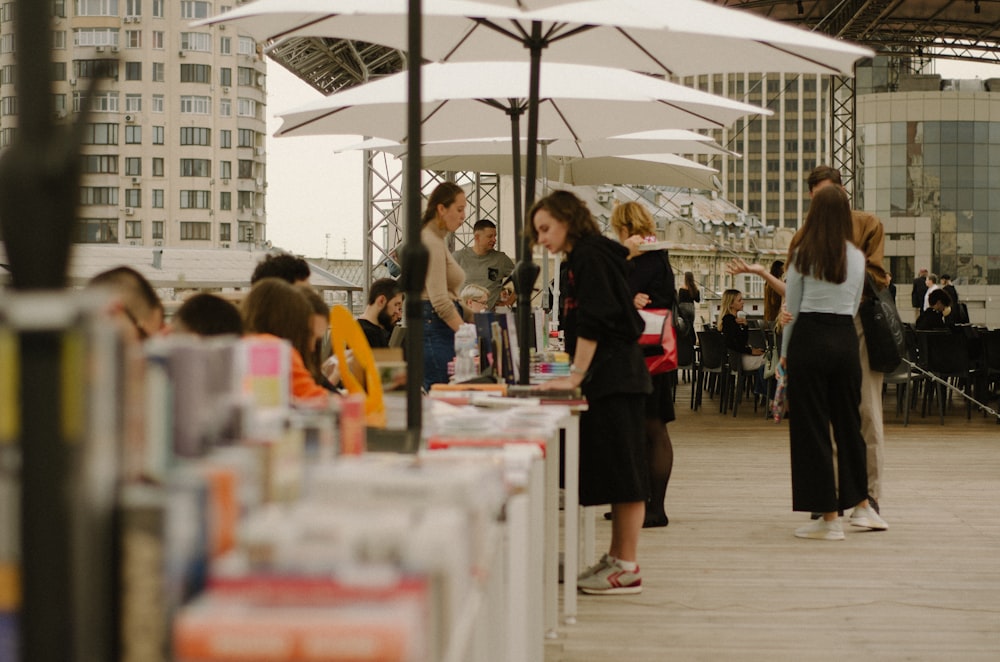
(626, 455)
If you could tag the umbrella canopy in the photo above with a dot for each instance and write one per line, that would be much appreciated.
(663, 141)
(639, 169)
(703, 37)
(473, 100)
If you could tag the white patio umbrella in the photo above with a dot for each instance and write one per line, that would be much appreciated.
(471, 100)
(678, 37)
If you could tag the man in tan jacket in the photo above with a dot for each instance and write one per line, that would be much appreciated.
(869, 236)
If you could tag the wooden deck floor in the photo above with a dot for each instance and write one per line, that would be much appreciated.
(727, 580)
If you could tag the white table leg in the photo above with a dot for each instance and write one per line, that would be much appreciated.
(551, 537)
(571, 543)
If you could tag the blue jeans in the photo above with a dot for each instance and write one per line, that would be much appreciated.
(439, 346)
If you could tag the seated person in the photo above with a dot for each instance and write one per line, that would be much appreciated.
(319, 324)
(475, 298)
(285, 266)
(734, 328)
(384, 310)
(207, 315)
(137, 306)
(274, 307)
(935, 316)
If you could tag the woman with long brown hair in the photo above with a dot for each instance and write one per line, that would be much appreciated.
(442, 314)
(602, 330)
(824, 279)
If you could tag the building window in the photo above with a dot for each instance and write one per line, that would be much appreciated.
(95, 37)
(196, 41)
(158, 198)
(225, 232)
(158, 40)
(226, 76)
(225, 108)
(100, 102)
(194, 135)
(226, 169)
(158, 8)
(245, 169)
(59, 102)
(133, 229)
(133, 39)
(99, 164)
(244, 199)
(59, 39)
(58, 71)
(225, 200)
(133, 103)
(97, 231)
(246, 137)
(246, 108)
(225, 138)
(100, 134)
(245, 232)
(97, 7)
(133, 71)
(225, 45)
(195, 9)
(7, 74)
(95, 69)
(157, 166)
(196, 73)
(133, 166)
(195, 199)
(244, 76)
(133, 7)
(133, 134)
(158, 72)
(158, 135)
(7, 136)
(133, 197)
(157, 230)
(98, 195)
(196, 105)
(8, 106)
(58, 8)
(196, 168)
(157, 103)
(196, 230)
(247, 46)
(7, 44)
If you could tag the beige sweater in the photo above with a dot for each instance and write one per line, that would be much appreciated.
(444, 276)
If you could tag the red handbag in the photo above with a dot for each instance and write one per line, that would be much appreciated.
(658, 340)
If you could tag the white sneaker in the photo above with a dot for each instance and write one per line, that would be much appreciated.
(867, 518)
(821, 530)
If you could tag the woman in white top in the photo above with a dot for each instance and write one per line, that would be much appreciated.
(824, 280)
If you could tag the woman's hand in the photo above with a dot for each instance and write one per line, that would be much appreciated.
(560, 384)
(633, 243)
(756, 351)
(640, 300)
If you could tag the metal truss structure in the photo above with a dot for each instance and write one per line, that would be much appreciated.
(909, 31)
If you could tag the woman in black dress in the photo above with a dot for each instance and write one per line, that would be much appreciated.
(651, 282)
(602, 330)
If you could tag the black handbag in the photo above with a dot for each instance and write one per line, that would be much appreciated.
(883, 329)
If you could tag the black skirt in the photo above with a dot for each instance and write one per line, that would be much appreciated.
(660, 403)
(613, 466)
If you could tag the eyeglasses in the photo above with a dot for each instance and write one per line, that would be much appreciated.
(138, 327)
(480, 302)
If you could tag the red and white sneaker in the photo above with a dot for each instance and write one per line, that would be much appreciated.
(611, 579)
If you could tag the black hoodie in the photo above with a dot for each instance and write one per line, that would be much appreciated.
(597, 305)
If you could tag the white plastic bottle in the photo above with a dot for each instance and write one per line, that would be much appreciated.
(466, 353)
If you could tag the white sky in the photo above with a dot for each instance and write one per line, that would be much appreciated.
(314, 196)
(312, 193)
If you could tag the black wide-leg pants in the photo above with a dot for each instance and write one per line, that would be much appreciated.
(824, 391)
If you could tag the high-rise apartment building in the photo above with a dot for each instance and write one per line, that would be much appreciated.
(174, 143)
(778, 151)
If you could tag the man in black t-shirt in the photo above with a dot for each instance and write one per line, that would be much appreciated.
(384, 310)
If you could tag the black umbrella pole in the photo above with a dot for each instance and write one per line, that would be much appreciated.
(413, 254)
(526, 271)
